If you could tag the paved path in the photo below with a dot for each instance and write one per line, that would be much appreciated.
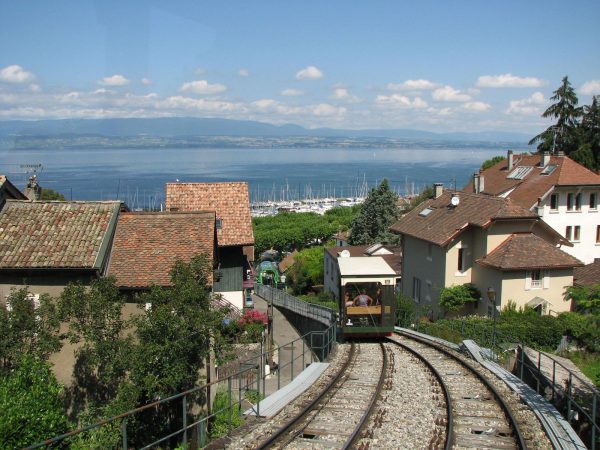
(283, 333)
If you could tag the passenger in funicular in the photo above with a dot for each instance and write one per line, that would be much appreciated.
(348, 299)
(363, 299)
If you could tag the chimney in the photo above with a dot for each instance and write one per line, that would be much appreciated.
(438, 189)
(560, 153)
(33, 189)
(509, 157)
(539, 207)
(545, 159)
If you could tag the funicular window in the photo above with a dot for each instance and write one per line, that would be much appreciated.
(363, 303)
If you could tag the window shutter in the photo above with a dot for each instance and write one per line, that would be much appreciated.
(527, 280)
(34, 299)
(546, 282)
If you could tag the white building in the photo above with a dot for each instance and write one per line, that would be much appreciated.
(562, 192)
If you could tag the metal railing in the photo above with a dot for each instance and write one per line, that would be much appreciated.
(282, 299)
(188, 421)
(576, 399)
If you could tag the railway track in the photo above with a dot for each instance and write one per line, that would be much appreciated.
(335, 418)
(477, 417)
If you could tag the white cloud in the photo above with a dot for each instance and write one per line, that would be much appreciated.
(401, 101)
(449, 94)
(292, 92)
(35, 88)
(115, 80)
(412, 85)
(530, 105)
(476, 106)
(325, 109)
(16, 74)
(342, 93)
(309, 73)
(199, 71)
(508, 80)
(591, 87)
(202, 87)
(146, 81)
(243, 72)
(440, 111)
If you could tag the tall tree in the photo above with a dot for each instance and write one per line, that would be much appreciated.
(590, 137)
(28, 326)
(563, 135)
(379, 212)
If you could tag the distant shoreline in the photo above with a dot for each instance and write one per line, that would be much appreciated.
(83, 142)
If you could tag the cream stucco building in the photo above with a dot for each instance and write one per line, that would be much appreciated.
(459, 238)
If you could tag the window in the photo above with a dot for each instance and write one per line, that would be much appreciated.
(570, 201)
(593, 201)
(461, 260)
(569, 232)
(416, 289)
(576, 233)
(578, 202)
(597, 234)
(536, 279)
(554, 202)
(219, 224)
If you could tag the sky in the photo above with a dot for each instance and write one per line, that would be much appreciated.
(440, 66)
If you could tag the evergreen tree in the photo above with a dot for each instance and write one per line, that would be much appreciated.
(564, 134)
(379, 212)
(590, 132)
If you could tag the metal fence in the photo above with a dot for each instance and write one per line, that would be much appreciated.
(576, 399)
(282, 299)
(184, 419)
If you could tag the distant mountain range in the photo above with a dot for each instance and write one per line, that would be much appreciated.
(193, 127)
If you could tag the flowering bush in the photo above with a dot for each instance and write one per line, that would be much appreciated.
(253, 316)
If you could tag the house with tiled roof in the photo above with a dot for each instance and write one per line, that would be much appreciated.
(230, 202)
(147, 245)
(9, 191)
(391, 256)
(588, 275)
(562, 192)
(492, 242)
(46, 245)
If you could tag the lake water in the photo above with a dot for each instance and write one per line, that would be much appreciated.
(138, 176)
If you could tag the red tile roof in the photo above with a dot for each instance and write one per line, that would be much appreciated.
(230, 201)
(444, 222)
(526, 192)
(56, 235)
(146, 245)
(588, 275)
(528, 251)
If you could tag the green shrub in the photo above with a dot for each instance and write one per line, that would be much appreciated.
(220, 423)
(30, 405)
(455, 297)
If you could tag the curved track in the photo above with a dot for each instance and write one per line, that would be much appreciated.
(336, 417)
(478, 417)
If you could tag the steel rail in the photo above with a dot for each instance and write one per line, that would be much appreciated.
(507, 411)
(450, 421)
(355, 435)
(294, 420)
